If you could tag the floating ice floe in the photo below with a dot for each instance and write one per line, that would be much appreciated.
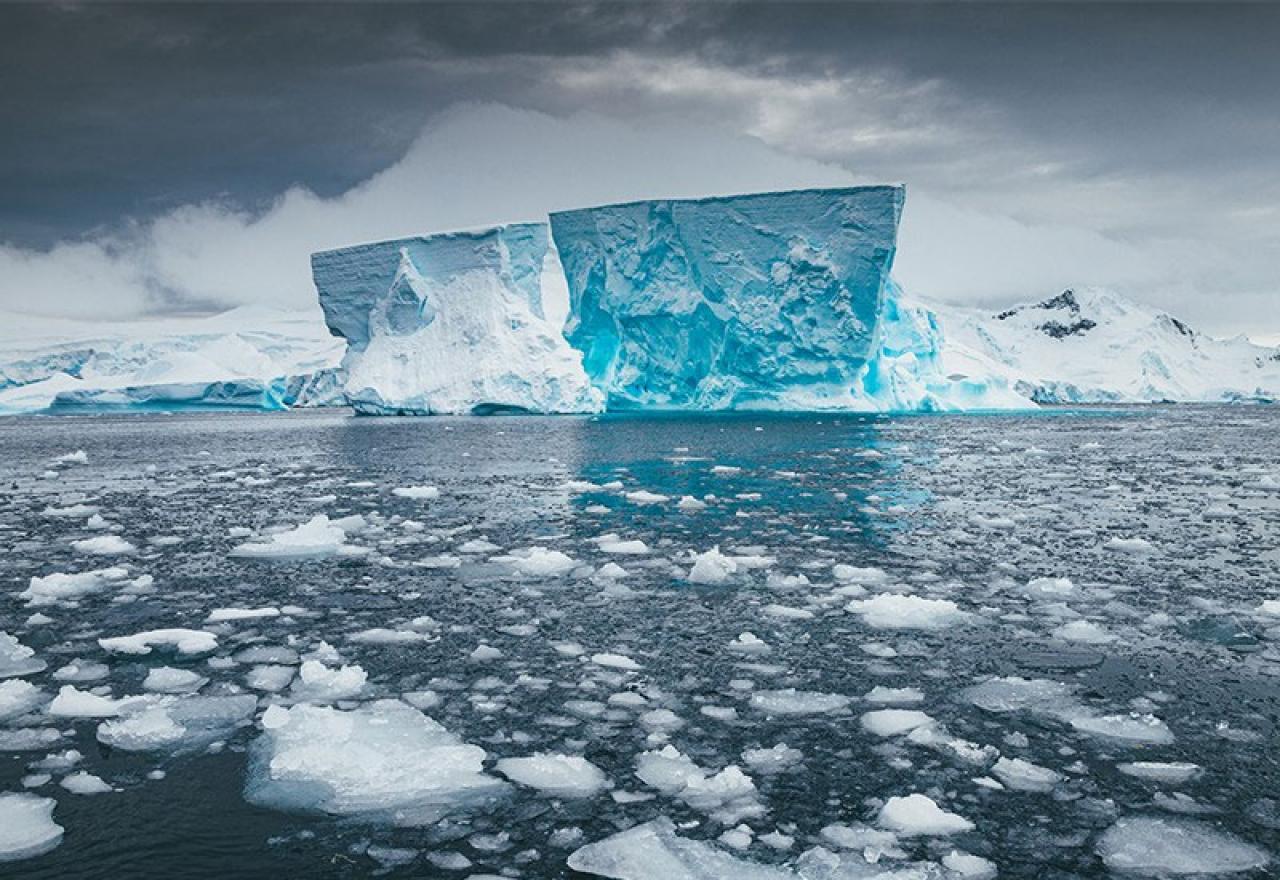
(74, 703)
(317, 538)
(1131, 546)
(728, 796)
(777, 759)
(168, 680)
(919, 815)
(1083, 631)
(17, 659)
(615, 661)
(176, 724)
(58, 587)
(18, 697)
(1053, 699)
(417, 493)
(318, 683)
(103, 545)
(895, 611)
(1020, 775)
(1170, 773)
(384, 762)
(564, 776)
(894, 722)
(27, 828)
(890, 696)
(182, 641)
(540, 562)
(224, 615)
(790, 701)
(84, 783)
(1155, 846)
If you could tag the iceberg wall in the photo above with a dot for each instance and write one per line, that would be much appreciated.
(451, 323)
(769, 300)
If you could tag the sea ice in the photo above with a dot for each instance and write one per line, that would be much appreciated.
(894, 611)
(382, 762)
(917, 814)
(565, 776)
(1022, 775)
(1155, 846)
(58, 587)
(894, 722)
(16, 658)
(1172, 773)
(18, 697)
(103, 545)
(182, 641)
(27, 828)
(790, 701)
(317, 538)
(318, 683)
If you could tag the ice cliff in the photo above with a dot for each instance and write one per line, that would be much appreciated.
(451, 323)
(766, 300)
(254, 358)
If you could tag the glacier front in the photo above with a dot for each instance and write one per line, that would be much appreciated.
(768, 300)
(451, 323)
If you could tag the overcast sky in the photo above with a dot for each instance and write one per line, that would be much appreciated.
(163, 158)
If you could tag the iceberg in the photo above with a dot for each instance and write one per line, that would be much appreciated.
(770, 300)
(451, 323)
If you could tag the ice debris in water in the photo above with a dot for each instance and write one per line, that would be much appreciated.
(103, 545)
(894, 611)
(541, 562)
(1155, 846)
(383, 762)
(317, 538)
(27, 828)
(417, 493)
(1056, 700)
(176, 724)
(790, 701)
(17, 697)
(318, 683)
(168, 680)
(1171, 773)
(728, 796)
(918, 814)
(181, 641)
(16, 658)
(566, 776)
(58, 587)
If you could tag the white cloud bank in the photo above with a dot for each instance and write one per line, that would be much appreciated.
(483, 164)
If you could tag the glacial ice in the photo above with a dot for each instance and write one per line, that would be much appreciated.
(565, 776)
(768, 300)
(16, 658)
(1155, 846)
(451, 323)
(254, 358)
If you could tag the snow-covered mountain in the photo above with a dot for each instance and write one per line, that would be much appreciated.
(1091, 345)
(252, 357)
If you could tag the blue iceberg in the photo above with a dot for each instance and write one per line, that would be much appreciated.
(771, 300)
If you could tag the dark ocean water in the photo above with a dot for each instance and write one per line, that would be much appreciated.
(965, 510)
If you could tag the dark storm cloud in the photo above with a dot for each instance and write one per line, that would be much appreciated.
(1104, 142)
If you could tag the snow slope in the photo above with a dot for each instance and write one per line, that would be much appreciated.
(248, 357)
(1091, 345)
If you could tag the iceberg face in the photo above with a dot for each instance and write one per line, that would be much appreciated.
(769, 300)
(451, 323)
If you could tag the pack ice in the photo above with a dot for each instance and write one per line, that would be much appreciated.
(451, 323)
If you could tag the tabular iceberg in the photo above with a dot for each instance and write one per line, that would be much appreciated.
(451, 323)
(770, 300)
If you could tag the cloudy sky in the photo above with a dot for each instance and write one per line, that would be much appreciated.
(183, 158)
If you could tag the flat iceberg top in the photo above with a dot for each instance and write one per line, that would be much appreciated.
(728, 301)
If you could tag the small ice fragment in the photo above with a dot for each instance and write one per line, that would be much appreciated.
(103, 545)
(417, 493)
(917, 814)
(894, 611)
(81, 782)
(566, 776)
(27, 828)
(615, 661)
(1152, 846)
(894, 722)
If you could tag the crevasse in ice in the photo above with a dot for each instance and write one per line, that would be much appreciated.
(451, 323)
